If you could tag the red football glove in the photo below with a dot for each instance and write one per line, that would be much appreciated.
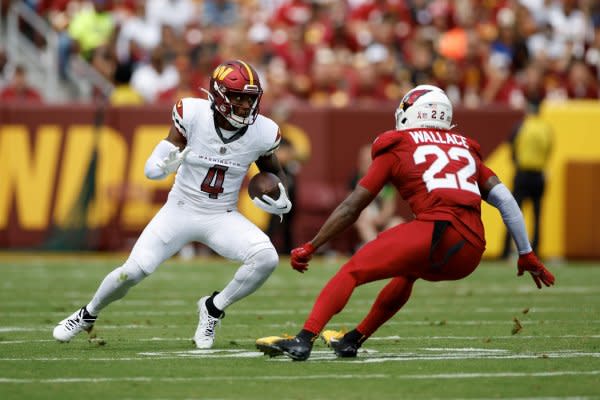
(300, 257)
(530, 263)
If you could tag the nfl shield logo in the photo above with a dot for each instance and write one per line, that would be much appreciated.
(223, 150)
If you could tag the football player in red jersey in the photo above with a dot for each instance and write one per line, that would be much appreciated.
(441, 175)
(210, 147)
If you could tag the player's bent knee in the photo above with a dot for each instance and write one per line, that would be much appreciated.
(265, 260)
(132, 272)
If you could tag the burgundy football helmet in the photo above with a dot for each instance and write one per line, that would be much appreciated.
(235, 91)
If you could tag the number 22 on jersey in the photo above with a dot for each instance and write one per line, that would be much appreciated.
(458, 180)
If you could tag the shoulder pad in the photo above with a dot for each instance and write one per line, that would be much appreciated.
(275, 144)
(384, 141)
(269, 133)
(473, 145)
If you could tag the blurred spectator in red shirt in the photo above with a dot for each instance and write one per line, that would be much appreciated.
(18, 90)
(289, 44)
(581, 83)
(292, 13)
(363, 84)
(185, 87)
(532, 84)
(375, 10)
(370, 80)
(328, 83)
(386, 66)
(279, 91)
(501, 87)
(320, 28)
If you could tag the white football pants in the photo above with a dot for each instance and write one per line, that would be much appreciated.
(229, 234)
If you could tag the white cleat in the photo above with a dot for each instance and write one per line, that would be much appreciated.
(79, 321)
(205, 333)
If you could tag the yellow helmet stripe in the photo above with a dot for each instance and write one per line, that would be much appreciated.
(250, 75)
(221, 72)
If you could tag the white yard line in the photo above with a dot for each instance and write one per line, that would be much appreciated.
(299, 378)
(520, 398)
(192, 379)
(294, 325)
(365, 356)
(374, 338)
(384, 338)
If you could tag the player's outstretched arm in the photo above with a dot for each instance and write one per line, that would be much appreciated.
(167, 156)
(500, 197)
(341, 218)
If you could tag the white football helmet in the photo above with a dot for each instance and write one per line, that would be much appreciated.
(425, 106)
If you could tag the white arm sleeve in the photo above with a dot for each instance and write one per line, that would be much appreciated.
(501, 198)
(152, 169)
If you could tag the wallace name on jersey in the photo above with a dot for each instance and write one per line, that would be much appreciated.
(431, 136)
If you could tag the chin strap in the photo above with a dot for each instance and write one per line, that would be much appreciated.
(210, 96)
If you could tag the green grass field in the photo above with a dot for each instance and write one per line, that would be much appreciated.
(453, 340)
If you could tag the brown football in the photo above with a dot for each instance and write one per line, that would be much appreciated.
(264, 183)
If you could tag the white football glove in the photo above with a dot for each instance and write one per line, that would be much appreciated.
(281, 206)
(170, 163)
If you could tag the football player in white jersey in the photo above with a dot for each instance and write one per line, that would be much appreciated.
(211, 145)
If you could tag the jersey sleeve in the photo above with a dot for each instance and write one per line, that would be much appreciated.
(384, 142)
(379, 173)
(485, 173)
(475, 147)
(181, 117)
(273, 144)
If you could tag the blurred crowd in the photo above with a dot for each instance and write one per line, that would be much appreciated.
(337, 53)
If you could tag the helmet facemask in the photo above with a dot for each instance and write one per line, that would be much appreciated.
(239, 108)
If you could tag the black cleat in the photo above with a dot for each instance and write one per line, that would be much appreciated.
(295, 348)
(344, 349)
(341, 346)
(268, 345)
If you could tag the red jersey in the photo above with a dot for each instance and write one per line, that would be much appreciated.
(438, 172)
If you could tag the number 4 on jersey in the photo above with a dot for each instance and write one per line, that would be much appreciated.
(449, 181)
(213, 181)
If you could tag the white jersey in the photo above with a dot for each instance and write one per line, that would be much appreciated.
(211, 176)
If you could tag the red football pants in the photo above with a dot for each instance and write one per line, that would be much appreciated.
(402, 253)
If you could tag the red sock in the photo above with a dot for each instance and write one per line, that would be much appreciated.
(331, 300)
(390, 299)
